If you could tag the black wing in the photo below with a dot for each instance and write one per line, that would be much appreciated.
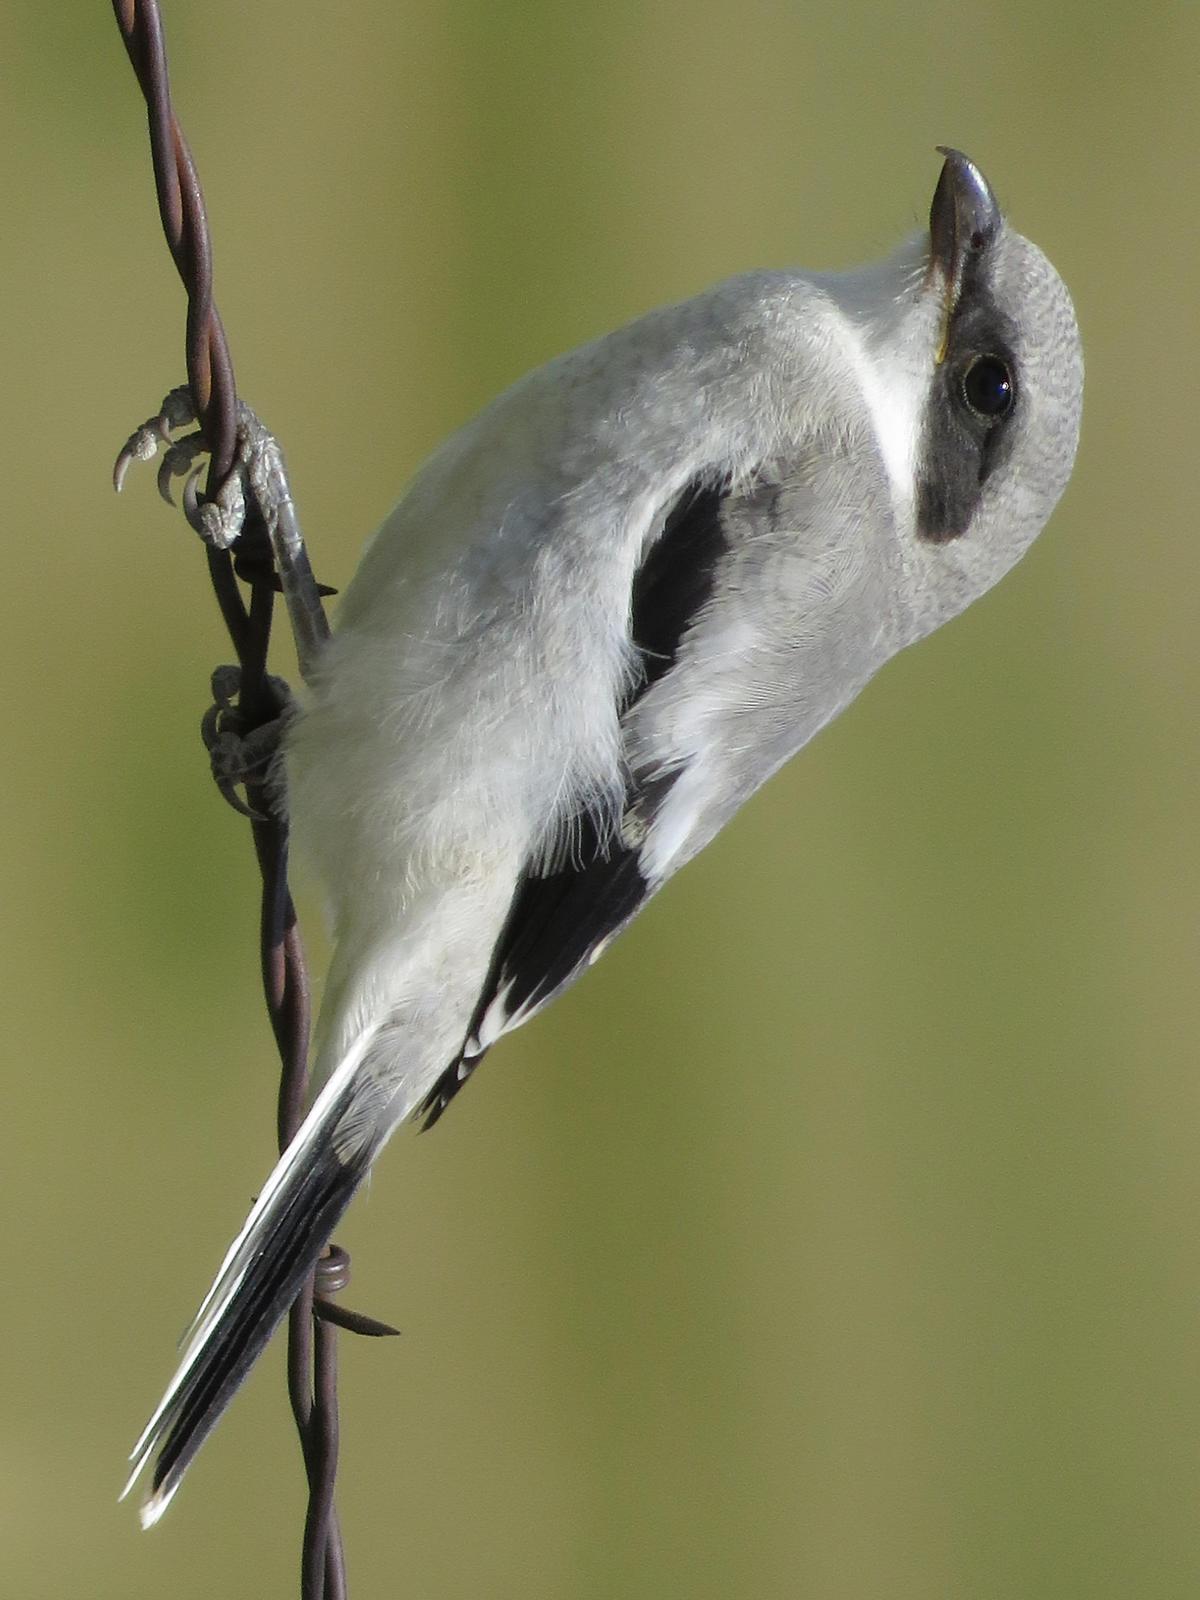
(558, 920)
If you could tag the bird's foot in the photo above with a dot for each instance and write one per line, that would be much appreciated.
(242, 756)
(218, 520)
(253, 504)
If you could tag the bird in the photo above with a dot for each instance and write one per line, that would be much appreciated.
(602, 615)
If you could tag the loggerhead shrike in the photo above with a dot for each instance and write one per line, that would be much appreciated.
(604, 613)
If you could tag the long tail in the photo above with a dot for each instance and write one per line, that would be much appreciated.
(288, 1227)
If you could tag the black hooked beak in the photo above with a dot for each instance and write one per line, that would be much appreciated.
(964, 219)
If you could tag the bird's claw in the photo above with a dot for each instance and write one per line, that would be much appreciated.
(179, 462)
(240, 756)
(253, 505)
(219, 518)
(143, 443)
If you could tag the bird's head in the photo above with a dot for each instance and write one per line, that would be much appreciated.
(978, 380)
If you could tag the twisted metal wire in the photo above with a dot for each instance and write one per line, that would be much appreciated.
(312, 1359)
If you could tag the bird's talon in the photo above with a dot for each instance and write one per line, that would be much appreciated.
(143, 443)
(240, 757)
(228, 791)
(191, 501)
(237, 760)
(210, 726)
(218, 521)
(180, 462)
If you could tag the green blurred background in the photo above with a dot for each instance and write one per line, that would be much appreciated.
(837, 1237)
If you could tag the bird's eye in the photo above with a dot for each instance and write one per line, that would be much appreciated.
(987, 387)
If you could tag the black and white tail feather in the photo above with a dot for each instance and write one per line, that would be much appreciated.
(262, 1273)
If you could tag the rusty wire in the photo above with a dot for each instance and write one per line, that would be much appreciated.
(311, 1363)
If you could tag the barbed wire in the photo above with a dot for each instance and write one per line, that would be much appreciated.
(312, 1353)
